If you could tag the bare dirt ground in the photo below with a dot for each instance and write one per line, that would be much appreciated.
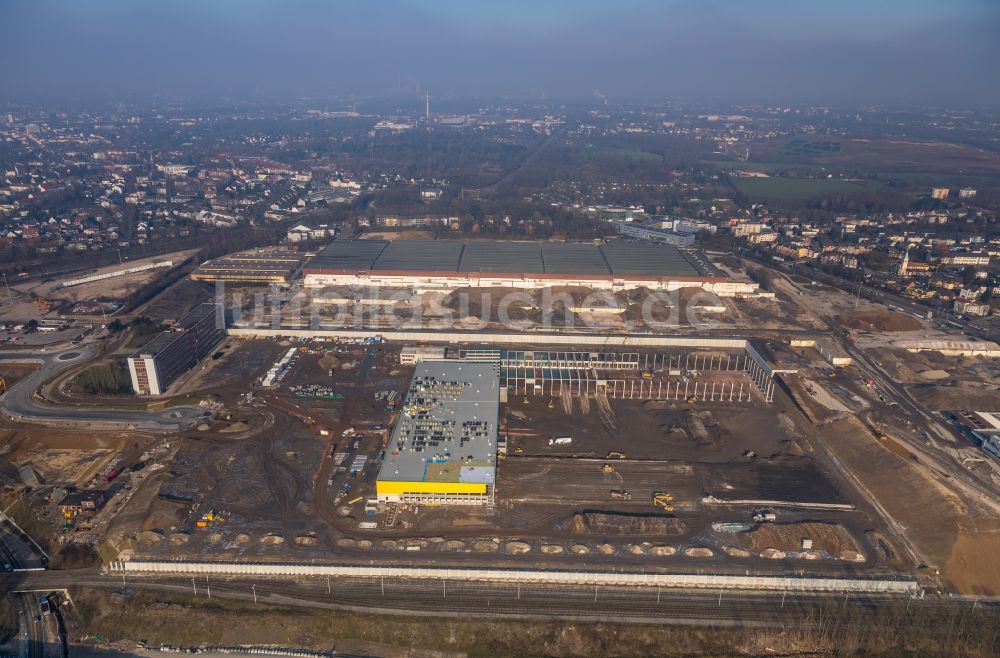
(965, 566)
(397, 235)
(645, 430)
(15, 372)
(114, 288)
(880, 321)
(908, 367)
(933, 518)
(985, 397)
(787, 537)
(63, 457)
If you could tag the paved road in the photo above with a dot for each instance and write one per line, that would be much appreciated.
(20, 405)
(33, 632)
(17, 551)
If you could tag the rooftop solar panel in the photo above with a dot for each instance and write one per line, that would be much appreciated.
(421, 255)
(617, 257)
(574, 258)
(349, 254)
(646, 259)
(502, 257)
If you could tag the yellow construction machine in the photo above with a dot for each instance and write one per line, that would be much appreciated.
(664, 500)
(614, 454)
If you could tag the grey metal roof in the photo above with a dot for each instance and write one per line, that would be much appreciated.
(350, 254)
(646, 259)
(426, 255)
(164, 339)
(574, 258)
(618, 257)
(490, 256)
(458, 400)
(158, 343)
(199, 313)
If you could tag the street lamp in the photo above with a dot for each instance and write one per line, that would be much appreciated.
(9, 296)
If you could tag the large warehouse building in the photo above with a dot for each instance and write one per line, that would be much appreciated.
(251, 267)
(443, 449)
(168, 355)
(449, 265)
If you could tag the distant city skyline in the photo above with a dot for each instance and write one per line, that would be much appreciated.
(892, 51)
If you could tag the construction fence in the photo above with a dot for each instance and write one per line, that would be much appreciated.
(588, 578)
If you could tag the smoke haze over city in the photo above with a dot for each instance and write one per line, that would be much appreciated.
(886, 52)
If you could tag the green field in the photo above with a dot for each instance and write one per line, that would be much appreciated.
(766, 167)
(800, 188)
(602, 153)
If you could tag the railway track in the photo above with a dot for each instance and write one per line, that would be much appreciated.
(464, 598)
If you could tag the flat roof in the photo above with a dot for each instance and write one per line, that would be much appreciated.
(447, 431)
(424, 255)
(646, 259)
(349, 254)
(614, 258)
(575, 258)
(198, 313)
(485, 256)
(163, 339)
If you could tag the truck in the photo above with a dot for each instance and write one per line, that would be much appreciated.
(561, 440)
(112, 474)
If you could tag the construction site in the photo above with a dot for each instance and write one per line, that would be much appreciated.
(725, 452)
(587, 457)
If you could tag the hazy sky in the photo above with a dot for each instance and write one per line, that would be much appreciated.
(943, 51)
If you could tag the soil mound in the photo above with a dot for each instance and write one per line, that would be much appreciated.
(931, 375)
(625, 524)
(787, 537)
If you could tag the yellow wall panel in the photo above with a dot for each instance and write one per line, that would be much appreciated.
(387, 487)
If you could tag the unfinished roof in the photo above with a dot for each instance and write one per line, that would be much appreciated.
(447, 431)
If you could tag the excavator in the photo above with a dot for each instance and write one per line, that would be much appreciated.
(551, 404)
(664, 500)
(614, 454)
(607, 468)
(3, 385)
